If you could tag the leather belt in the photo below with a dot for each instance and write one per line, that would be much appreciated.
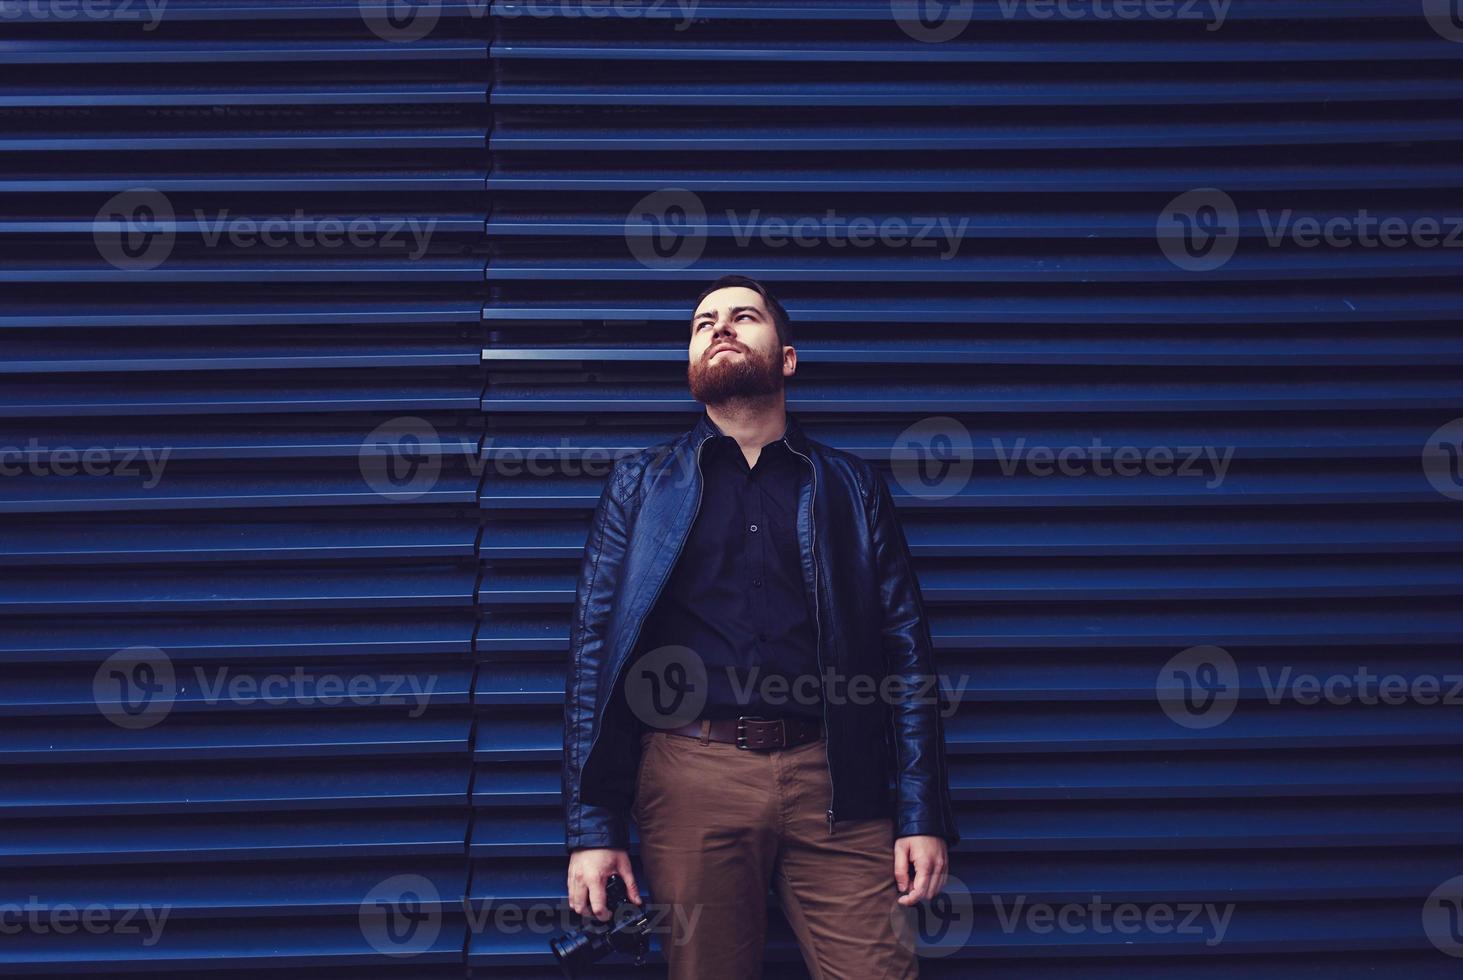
(755, 733)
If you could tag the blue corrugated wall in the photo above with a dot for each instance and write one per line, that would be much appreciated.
(1022, 243)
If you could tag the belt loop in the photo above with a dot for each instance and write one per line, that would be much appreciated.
(705, 730)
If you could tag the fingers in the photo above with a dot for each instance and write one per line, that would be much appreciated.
(597, 897)
(919, 891)
(901, 864)
(627, 874)
(578, 894)
(931, 873)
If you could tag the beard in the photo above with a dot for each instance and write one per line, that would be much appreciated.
(754, 375)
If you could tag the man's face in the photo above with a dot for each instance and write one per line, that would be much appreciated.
(734, 351)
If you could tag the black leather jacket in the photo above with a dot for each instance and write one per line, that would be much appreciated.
(886, 755)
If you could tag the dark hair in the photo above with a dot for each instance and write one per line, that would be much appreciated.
(779, 315)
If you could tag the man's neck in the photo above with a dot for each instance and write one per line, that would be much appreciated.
(752, 423)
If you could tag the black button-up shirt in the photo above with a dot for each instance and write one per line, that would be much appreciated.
(736, 595)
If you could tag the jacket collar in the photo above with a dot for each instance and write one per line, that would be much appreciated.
(794, 434)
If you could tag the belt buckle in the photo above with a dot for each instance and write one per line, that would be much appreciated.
(742, 720)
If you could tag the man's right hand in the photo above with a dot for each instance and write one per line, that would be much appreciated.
(589, 869)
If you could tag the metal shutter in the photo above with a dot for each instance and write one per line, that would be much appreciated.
(271, 548)
(1061, 140)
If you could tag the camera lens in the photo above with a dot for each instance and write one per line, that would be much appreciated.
(569, 951)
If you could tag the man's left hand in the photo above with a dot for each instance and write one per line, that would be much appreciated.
(928, 855)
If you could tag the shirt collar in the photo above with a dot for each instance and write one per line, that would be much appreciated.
(792, 434)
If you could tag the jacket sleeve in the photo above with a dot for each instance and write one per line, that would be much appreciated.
(922, 802)
(604, 552)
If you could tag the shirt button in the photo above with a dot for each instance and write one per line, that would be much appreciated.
(752, 528)
(757, 582)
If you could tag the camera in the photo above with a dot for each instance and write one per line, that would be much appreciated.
(627, 931)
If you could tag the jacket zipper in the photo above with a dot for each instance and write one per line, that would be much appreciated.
(818, 626)
(639, 627)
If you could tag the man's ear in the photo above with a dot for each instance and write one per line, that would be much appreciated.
(789, 361)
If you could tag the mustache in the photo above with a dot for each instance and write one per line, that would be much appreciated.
(716, 348)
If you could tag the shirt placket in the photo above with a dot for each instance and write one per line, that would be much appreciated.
(756, 535)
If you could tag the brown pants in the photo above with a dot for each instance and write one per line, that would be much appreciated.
(719, 824)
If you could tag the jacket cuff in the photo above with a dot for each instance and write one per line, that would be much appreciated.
(601, 828)
(928, 828)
